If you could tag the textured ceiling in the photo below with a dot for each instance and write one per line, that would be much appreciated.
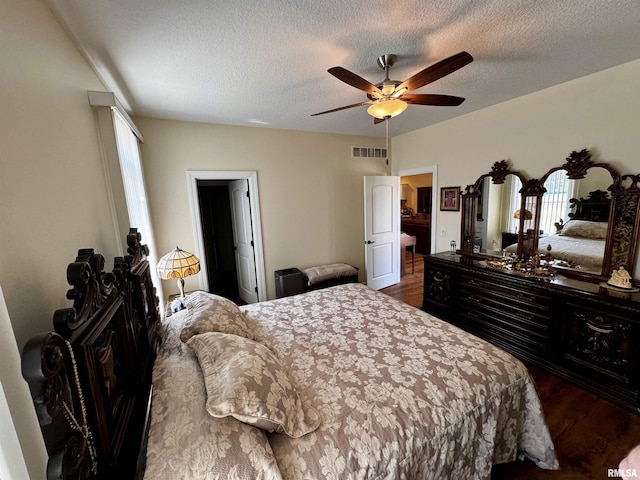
(251, 62)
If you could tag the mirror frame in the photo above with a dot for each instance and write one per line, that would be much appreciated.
(623, 231)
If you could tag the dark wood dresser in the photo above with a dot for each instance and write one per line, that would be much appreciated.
(580, 331)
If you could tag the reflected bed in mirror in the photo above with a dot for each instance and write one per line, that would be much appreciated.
(581, 234)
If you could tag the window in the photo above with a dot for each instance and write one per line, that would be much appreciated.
(123, 169)
(555, 202)
(134, 189)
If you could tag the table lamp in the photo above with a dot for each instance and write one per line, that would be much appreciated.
(178, 264)
(527, 215)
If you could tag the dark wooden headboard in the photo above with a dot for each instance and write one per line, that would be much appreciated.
(594, 208)
(90, 378)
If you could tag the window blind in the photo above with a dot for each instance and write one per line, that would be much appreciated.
(555, 202)
(133, 179)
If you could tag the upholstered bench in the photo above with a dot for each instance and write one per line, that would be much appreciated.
(324, 276)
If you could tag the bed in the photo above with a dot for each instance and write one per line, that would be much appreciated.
(383, 389)
(343, 382)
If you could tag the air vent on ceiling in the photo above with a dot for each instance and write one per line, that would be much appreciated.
(368, 152)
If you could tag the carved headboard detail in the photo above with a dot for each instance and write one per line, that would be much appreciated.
(594, 208)
(90, 378)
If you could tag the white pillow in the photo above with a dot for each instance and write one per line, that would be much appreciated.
(585, 229)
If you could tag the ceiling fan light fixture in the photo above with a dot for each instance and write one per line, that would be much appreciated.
(388, 88)
(387, 108)
(400, 92)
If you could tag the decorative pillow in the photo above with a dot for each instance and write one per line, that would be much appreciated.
(325, 272)
(212, 313)
(245, 380)
(585, 229)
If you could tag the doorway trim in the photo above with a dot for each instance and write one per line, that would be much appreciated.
(433, 170)
(252, 177)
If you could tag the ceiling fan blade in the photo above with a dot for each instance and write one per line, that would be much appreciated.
(342, 108)
(428, 99)
(436, 71)
(354, 80)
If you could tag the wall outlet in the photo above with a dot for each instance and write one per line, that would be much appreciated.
(443, 232)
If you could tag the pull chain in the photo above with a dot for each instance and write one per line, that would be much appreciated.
(386, 122)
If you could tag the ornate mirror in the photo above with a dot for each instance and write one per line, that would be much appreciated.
(583, 215)
(575, 210)
(489, 209)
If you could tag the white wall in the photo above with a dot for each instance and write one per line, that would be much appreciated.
(311, 190)
(600, 112)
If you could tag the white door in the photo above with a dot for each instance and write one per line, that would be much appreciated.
(382, 230)
(243, 240)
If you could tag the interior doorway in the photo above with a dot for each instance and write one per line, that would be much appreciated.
(227, 233)
(425, 205)
(217, 231)
(417, 219)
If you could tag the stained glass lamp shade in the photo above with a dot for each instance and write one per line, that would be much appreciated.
(178, 264)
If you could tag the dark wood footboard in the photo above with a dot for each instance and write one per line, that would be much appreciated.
(90, 378)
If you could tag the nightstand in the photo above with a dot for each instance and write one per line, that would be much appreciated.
(509, 238)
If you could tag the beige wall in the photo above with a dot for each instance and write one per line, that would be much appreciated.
(53, 194)
(536, 132)
(311, 190)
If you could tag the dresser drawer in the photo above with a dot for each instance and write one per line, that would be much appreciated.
(509, 315)
(498, 330)
(527, 299)
(528, 308)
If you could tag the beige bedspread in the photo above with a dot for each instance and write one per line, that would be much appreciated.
(401, 394)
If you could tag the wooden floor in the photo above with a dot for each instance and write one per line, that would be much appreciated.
(590, 435)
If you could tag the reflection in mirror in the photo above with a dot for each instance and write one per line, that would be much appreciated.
(468, 221)
(498, 214)
(574, 219)
(555, 206)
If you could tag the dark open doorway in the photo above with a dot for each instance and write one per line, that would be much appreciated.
(217, 232)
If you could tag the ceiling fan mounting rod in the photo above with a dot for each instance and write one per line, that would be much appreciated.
(386, 61)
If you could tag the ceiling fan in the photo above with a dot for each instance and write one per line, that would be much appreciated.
(390, 97)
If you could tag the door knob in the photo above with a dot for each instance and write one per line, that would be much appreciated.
(369, 242)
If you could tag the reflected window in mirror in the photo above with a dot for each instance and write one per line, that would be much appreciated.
(555, 202)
